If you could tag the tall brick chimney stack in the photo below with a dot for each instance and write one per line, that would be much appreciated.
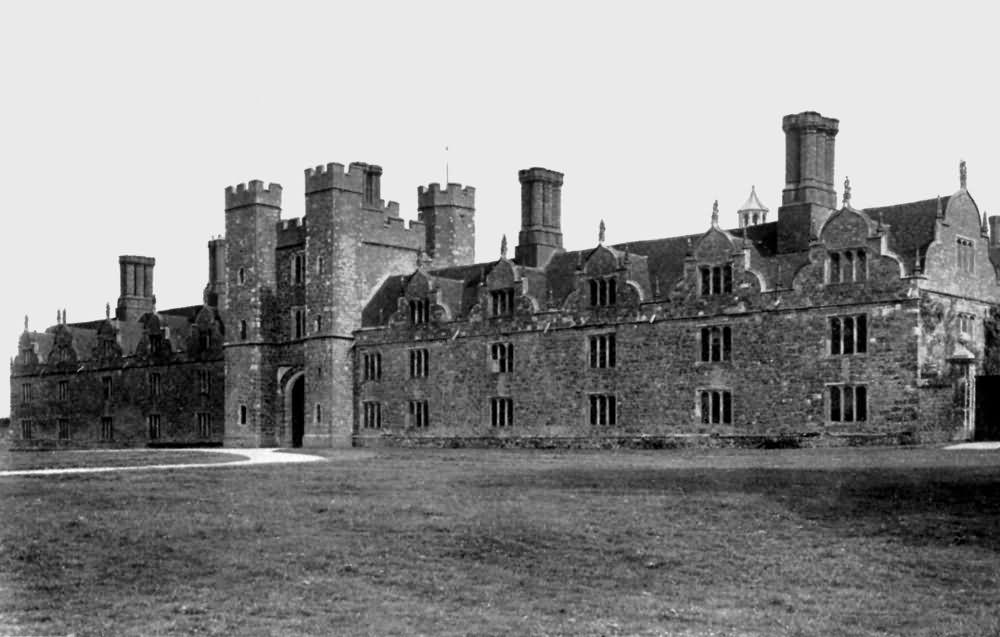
(541, 212)
(809, 196)
(215, 291)
(136, 296)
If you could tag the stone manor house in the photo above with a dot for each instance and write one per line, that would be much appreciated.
(349, 326)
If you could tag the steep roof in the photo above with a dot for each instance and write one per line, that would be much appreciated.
(911, 225)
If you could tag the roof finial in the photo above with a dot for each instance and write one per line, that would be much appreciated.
(58, 317)
(715, 213)
(962, 174)
(503, 247)
(107, 310)
(25, 322)
(847, 192)
(64, 316)
(985, 228)
(939, 211)
(600, 232)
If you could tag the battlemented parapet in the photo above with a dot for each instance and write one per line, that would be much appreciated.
(291, 232)
(453, 195)
(253, 193)
(450, 224)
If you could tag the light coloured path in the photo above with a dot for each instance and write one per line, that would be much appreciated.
(250, 457)
(981, 446)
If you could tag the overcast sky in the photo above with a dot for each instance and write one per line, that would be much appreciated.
(124, 122)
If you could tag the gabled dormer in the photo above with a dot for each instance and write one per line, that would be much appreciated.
(609, 278)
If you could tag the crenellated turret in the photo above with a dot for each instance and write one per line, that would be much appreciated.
(449, 220)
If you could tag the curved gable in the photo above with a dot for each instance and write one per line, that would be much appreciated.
(603, 260)
(845, 228)
(503, 275)
(713, 246)
(963, 213)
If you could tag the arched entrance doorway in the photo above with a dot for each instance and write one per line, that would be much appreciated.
(298, 409)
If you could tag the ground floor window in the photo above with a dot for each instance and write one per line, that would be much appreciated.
(26, 430)
(204, 425)
(501, 412)
(848, 403)
(153, 421)
(107, 429)
(419, 416)
(372, 415)
(243, 414)
(716, 407)
(603, 409)
(63, 429)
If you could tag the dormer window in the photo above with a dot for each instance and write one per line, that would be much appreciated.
(603, 292)
(502, 302)
(717, 279)
(420, 311)
(847, 266)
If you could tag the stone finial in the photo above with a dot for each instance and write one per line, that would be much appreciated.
(715, 213)
(64, 316)
(962, 174)
(107, 310)
(939, 210)
(847, 192)
(25, 322)
(600, 232)
(503, 247)
(58, 317)
(985, 227)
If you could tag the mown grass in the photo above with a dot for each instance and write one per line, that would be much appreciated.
(810, 542)
(30, 459)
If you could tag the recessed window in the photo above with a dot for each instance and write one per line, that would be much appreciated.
(847, 266)
(602, 351)
(26, 393)
(318, 323)
(716, 279)
(967, 324)
(501, 412)
(63, 389)
(848, 403)
(204, 425)
(241, 276)
(26, 429)
(64, 433)
(716, 343)
(204, 381)
(298, 323)
(154, 384)
(298, 268)
(716, 406)
(420, 311)
(419, 363)
(319, 265)
(502, 302)
(372, 418)
(849, 334)
(966, 255)
(372, 366)
(107, 386)
(107, 429)
(502, 358)
(603, 292)
(243, 414)
(153, 424)
(419, 417)
(603, 409)
(319, 413)
(243, 330)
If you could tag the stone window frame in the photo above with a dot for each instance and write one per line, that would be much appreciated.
(602, 409)
(715, 344)
(501, 411)
(241, 276)
(320, 262)
(840, 339)
(419, 362)
(502, 302)
(418, 414)
(603, 291)
(837, 403)
(318, 413)
(837, 270)
(155, 384)
(63, 429)
(204, 382)
(107, 387)
(242, 416)
(298, 316)
(602, 350)
(965, 254)
(714, 405)
(204, 421)
(63, 390)
(371, 366)
(501, 357)
(154, 426)
(27, 429)
(317, 323)
(715, 279)
(243, 330)
(26, 393)
(371, 414)
(967, 323)
(298, 265)
(107, 429)
(420, 311)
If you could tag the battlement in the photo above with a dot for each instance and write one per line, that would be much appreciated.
(810, 119)
(454, 195)
(135, 259)
(334, 177)
(253, 193)
(540, 174)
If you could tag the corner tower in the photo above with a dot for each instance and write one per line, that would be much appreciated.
(449, 222)
(541, 212)
(809, 195)
(252, 213)
(136, 296)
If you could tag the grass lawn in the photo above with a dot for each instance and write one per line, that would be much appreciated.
(902, 541)
(27, 460)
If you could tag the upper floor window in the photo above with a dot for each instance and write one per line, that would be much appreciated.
(847, 266)
(967, 324)
(502, 302)
(298, 323)
(420, 311)
(107, 386)
(243, 414)
(372, 415)
(243, 330)
(318, 323)
(716, 279)
(204, 381)
(319, 413)
(502, 357)
(848, 403)
(373, 366)
(63, 389)
(26, 393)
(501, 412)
(716, 343)
(966, 255)
(716, 407)
(603, 409)
(418, 363)
(298, 268)
(602, 350)
(154, 384)
(241, 276)
(603, 292)
(319, 265)
(849, 334)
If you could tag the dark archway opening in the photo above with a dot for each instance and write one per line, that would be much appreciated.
(298, 410)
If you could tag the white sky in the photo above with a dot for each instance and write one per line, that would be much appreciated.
(122, 123)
